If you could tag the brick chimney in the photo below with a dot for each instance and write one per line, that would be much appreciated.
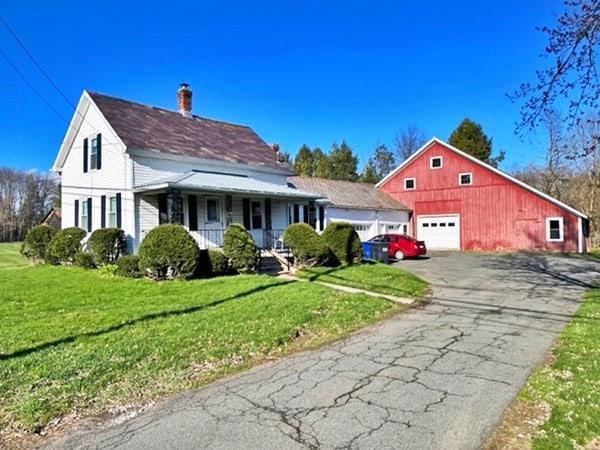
(184, 100)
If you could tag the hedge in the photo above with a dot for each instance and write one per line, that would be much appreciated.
(36, 242)
(239, 246)
(106, 245)
(343, 240)
(307, 246)
(64, 244)
(168, 251)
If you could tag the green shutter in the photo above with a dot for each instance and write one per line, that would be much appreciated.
(85, 155)
(99, 151)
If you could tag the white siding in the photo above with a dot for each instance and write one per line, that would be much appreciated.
(147, 214)
(113, 177)
(369, 222)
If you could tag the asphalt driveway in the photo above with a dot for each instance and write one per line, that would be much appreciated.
(437, 377)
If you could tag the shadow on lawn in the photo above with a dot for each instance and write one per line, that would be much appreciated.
(144, 318)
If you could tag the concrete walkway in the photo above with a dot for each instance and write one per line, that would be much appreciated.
(436, 377)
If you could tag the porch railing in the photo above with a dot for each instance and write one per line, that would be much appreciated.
(208, 238)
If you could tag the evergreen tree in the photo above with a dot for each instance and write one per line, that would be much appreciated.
(343, 162)
(304, 161)
(384, 161)
(369, 173)
(470, 138)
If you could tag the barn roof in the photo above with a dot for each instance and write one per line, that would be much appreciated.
(348, 194)
(474, 160)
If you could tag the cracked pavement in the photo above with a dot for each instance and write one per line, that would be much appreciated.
(438, 376)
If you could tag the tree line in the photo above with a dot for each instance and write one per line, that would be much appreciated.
(340, 162)
(25, 197)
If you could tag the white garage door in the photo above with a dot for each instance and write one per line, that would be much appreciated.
(439, 232)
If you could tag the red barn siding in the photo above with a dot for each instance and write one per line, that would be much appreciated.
(495, 212)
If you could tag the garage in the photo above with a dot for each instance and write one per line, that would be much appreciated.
(439, 231)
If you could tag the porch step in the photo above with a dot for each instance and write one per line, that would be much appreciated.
(271, 265)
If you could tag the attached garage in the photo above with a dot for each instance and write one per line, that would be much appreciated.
(439, 231)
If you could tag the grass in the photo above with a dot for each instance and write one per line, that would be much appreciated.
(562, 398)
(371, 276)
(10, 255)
(77, 340)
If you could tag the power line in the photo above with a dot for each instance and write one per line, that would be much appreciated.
(32, 88)
(36, 63)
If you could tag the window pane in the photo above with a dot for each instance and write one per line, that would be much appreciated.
(212, 210)
(94, 153)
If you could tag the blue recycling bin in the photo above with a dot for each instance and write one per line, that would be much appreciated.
(366, 248)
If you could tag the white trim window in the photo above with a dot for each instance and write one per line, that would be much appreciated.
(554, 229)
(410, 184)
(94, 154)
(83, 220)
(112, 211)
(465, 179)
(436, 162)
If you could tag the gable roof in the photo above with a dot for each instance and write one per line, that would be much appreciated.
(150, 128)
(158, 130)
(477, 161)
(348, 194)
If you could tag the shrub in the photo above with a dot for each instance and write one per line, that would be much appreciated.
(128, 266)
(307, 246)
(36, 242)
(168, 251)
(343, 240)
(106, 245)
(240, 248)
(219, 263)
(64, 244)
(84, 259)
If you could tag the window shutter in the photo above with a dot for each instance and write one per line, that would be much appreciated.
(321, 218)
(268, 224)
(296, 213)
(118, 196)
(103, 211)
(193, 212)
(89, 218)
(99, 151)
(76, 208)
(305, 212)
(163, 216)
(246, 211)
(85, 155)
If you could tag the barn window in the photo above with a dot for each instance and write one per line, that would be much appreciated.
(465, 179)
(409, 183)
(435, 162)
(554, 229)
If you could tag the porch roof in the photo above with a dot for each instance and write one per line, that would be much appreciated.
(226, 183)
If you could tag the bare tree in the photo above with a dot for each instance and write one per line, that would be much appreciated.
(408, 141)
(572, 74)
(25, 197)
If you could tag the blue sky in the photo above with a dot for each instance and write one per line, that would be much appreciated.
(297, 72)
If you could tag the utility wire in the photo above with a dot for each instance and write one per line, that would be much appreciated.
(36, 63)
(31, 87)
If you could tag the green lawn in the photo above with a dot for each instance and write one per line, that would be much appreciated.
(370, 276)
(73, 339)
(559, 408)
(10, 255)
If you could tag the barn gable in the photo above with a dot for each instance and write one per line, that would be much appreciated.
(460, 202)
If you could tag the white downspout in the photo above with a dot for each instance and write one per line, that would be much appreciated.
(579, 235)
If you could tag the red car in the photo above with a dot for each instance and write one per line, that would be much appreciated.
(401, 246)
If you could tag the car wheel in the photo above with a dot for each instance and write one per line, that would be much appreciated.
(399, 255)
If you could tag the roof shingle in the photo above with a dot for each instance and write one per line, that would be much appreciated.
(348, 194)
(150, 128)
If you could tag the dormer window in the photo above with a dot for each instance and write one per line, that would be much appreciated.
(435, 162)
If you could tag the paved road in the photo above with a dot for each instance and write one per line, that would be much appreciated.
(438, 377)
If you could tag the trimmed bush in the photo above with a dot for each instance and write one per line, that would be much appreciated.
(219, 263)
(239, 246)
(84, 259)
(36, 242)
(106, 245)
(64, 244)
(307, 246)
(128, 266)
(343, 240)
(168, 251)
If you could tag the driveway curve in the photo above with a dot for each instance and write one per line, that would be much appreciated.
(439, 376)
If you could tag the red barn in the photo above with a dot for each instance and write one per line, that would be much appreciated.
(460, 202)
